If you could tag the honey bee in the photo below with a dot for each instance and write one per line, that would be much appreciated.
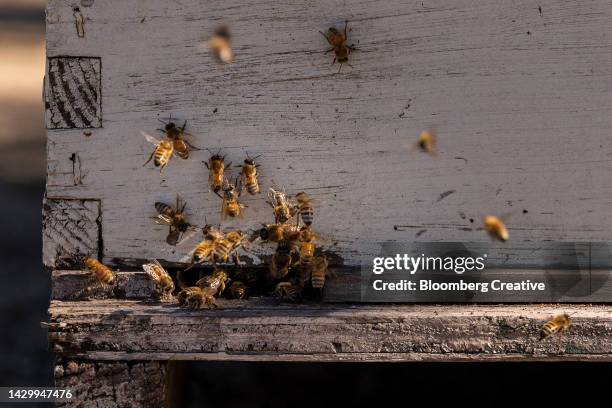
(288, 291)
(160, 276)
(194, 297)
(307, 247)
(238, 290)
(341, 49)
(227, 246)
(557, 325)
(216, 168)
(496, 228)
(231, 207)
(102, 272)
(162, 153)
(304, 207)
(281, 261)
(318, 272)
(248, 175)
(278, 232)
(214, 284)
(427, 142)
(220, 45)
(177, 136)
(174, 218)
(283, 210)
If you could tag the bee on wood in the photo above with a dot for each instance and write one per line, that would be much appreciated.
(281, 261)
(220, 45)
(216, 168)
(160, 276)
(177, 136)
(195, 297)
(161, 154)
(288, 291)
(248, 175)
(227, 246)
(174, 218)
(102, 272)
(307, 247)
(427, 142)
(277, 232)
(283, 210)
(496, 228)
(318, 272)
(238, 290)
(231, 206)
(214, 284)
(304, 208)
(341, 49)
(557, 325)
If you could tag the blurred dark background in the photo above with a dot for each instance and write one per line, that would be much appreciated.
(24, 292)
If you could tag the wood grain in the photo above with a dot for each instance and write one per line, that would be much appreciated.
(520, 100)
(267, 330)
(113, 384)
(73, 93)
(71, 229)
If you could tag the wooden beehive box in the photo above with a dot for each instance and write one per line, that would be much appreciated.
(517, 92)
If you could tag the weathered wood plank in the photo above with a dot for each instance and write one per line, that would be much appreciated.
(74, 285)
(519, 99)
(73, 93)
(113, 384)
(266, 329)
(71, 228)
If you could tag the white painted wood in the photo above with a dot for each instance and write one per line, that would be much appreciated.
(519, 98)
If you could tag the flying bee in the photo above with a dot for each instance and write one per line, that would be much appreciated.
(281, 261)
(161, 154)
(160, 276)
(177, 136)
(231, 207)
(318, 272)
(102, 272)
(227, 246)
(195, 297)
(220, 45)
(341, 49)
(248, 175)
(214, 284)
(304, 208)
(174, 218)
(288, 291)
(496, 228)
(216, 168)
(557, 325)
(427, 142)
(238, 290)
(282, 208)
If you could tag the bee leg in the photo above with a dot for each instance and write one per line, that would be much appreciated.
(345, 27)
(184, 126)
(150, 158)
(334, 61)
(193, 147)
(331, 49)
(340, 69)
(206, 163)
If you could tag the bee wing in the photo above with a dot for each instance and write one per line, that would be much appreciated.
(191, 231)
(150, 271)
(163, 219)
(149, 138)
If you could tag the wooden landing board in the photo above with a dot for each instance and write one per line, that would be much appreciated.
(518, 93)
(267, 330)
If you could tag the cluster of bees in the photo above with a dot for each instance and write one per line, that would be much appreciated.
(294, 264)
(202, 295)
